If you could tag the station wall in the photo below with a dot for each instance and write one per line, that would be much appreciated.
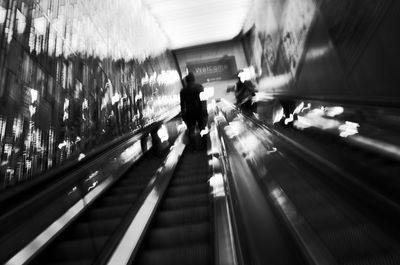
(59, 98)
(210, 52)
(347, 52)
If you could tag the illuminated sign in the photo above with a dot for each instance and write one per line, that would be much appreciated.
(213, 70)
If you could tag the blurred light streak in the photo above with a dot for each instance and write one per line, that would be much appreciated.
(162, 134)
(3, 14)
(34, 95)
(317, 52)
(132, 152)
(217, 184)
(299, 108)
(278, 115)
(21, 22)
(207, 93)
(389, 149)
(81, 156)
(333, 111)
(290, 119)
(348, 128)
(315, 118)
(274, 82)
(181, 127)
(204, 132)
(94, 184)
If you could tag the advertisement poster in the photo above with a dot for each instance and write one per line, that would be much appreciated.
(298, 17)
(266, 46)
(280, 35)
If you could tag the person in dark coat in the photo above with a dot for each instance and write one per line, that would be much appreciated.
(244, 92)
(192, 108)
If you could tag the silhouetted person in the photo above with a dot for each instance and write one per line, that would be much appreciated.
(244, 92)
(193, 111)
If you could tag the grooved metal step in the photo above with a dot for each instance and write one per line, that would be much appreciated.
(180, 232)
(193, 255)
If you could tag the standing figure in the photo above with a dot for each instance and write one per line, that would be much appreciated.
(193, 111)
(244, 93)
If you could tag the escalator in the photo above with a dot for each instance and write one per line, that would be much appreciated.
(89, 237)
(371, 173)
(345, 232)
(181, 229)
(320, 205)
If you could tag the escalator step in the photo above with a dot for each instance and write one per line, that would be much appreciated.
(193, 255)
(190, 163)
(71, 262)
(106, 212)
(351, 242)
(307, 200)
(326, 218)
(189, 180)
(178, 235)
(126, 189)
(293, 185)
(373, 259)
(187, 190)
(196, 171)
(141, 179)
(184, 202)
(118, 199)
(94, 228)
(181, 217)
(75, 249)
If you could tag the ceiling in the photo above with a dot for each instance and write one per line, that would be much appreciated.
(189, 23)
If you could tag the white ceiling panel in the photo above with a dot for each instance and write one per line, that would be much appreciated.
(188, 23)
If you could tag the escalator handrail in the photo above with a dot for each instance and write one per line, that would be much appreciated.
(227, 242)
(246, 240)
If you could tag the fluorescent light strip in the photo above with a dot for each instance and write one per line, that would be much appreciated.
(42, 239)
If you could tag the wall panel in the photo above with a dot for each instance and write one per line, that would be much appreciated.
(56, 101)
(214, 51)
